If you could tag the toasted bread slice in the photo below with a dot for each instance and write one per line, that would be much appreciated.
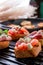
(40, 24)
(4, 44)
(23, 23)
(28, 53)
(41, 41)
(18, 33)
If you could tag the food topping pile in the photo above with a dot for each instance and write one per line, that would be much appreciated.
(4, 36)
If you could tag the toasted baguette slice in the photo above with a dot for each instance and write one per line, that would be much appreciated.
(40, 24)
(41, 41)
(28, 53)
(16, 34)
(4, 44)
(36, 50)
(23, 23)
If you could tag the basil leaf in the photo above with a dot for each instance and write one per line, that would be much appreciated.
(5, 31)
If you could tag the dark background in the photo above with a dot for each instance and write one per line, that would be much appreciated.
(36, 3)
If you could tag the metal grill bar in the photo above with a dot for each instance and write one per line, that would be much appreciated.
(12, 60)
(7, 56)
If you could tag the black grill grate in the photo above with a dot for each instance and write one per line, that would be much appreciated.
(7, 57)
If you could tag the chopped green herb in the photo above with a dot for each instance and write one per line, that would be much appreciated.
(5, 31)
(1, 31)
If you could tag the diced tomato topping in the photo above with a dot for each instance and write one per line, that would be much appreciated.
(37, 36)
(42, 37)
(22, 46)
(23, 30)
(10, 32)
(18, 43)
(34, 42)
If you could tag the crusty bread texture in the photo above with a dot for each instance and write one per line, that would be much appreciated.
(4, 44)
(28, 53)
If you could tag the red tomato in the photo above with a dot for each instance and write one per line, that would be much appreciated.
(23, 30)
(37, 36)
(22, 46)
(11, 32)
(18, 43)
(34, 42)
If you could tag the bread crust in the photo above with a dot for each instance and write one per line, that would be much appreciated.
(28, 53)
(23, 23)
(29, 27)
(41, 41)
(4, 44)
(40, 24)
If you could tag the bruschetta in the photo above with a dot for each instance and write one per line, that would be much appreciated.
(4, 39)
(37, 35)
(26, 47)
(17, 32)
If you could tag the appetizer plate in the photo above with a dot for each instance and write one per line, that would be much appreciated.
(18, 22)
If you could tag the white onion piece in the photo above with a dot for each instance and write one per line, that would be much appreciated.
(3, 36)
(8, 38)
(29, 46)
